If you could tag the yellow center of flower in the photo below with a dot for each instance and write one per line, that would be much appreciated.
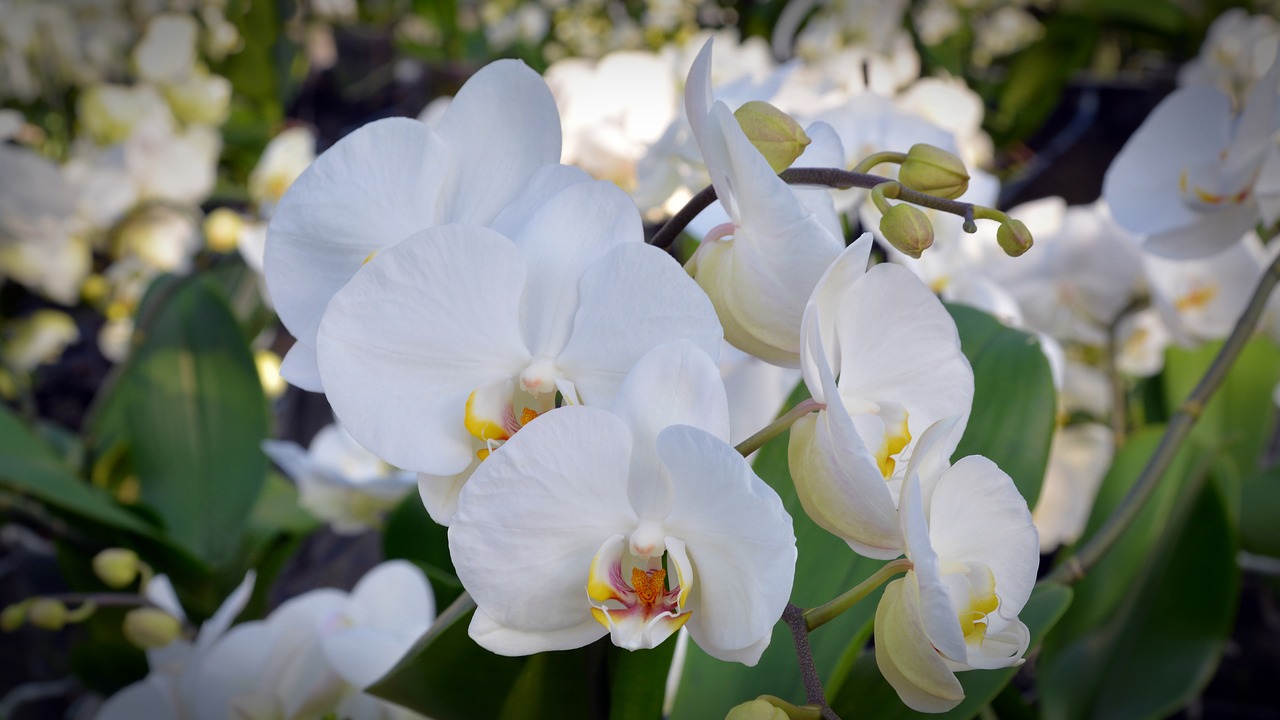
(1196, 298)
(895, 440)
(649, 585)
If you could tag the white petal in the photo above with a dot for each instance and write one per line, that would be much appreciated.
(414, 333)
(507, 641)
(301, 368)
(160, 592)
(931, 456)
(214, 627)
(823, 306)
(673, 384)
(544, 184)
(440, 492)
(938, 615)
(572, 230)
(394, 596)
(150, 697)
(634, 298)
(1206, 235)
(361, 655)
(840, 486)
(500, 128)
(898, 344)
(903, 653)
(369, 191)
(1189, 127)
(1078, 460)
(738, 536)
(978, 515)
(534, 514)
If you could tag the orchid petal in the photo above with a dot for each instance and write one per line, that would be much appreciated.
(151, 697)
(405, 343)
(500, 128)
(673, 384)
(1188, 128)
(899, 344)
(440, 492)
(979, 515)
(214, 627)
(535, 510)
(634, 298)
(547, 182)
(937, 614)
(739, 538)
(503, 640)
(823, 306)
(326, 226)
(906, 659)
(572, 230)
(301, 368)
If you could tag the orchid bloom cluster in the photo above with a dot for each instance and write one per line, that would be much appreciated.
(309, 658)
(139, 155)
(492, 320)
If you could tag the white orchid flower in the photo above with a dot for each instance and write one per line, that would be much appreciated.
(1200, 299)
(883, 356)
(1079, 457)
(636, 522)
(497, 144)
(339, 481)
(445, 345)
(169, 691)
(1186, 178)
(315, 653)
(975, 554)
(760, 266)
(1141, 339)
(283, 160)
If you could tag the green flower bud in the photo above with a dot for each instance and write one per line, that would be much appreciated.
(1014, 238)
(14, 616)
(150, 628)
(47, 614)
(932, 170)
(756, 710)
(117, 567)
(778, 137)
(907, 228)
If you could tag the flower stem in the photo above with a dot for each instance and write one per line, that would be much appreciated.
(793, 616)
(829, 177)
(825, 613)
(880, 158)
(776, 428)
(1074, 568)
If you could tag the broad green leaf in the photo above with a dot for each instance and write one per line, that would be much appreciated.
(1149, 622)
(826, 567)
(1014, 403)
(196, 416)
(27, 465)
(410, 534)
(1259, 508)
(446, 675)
(1241, 414)
(867, 694)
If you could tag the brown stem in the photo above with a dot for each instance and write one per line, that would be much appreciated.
(793, 616)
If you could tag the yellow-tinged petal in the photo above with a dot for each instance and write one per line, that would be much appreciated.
(905, 656)
(489, 414)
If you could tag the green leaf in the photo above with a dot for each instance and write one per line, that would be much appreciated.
(446, 675)
(29, 466)
(410, 534)
(1259, 508)
(867, 694)
(1241, 413)
(1149, 622)
(1014, 403)
(196, 416)
(826, 567)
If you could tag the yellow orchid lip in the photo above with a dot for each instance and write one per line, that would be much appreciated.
(646, 609)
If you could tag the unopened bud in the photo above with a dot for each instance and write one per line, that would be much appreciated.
(774, 133)
(14, 616)
(907, 228)
(47, 614)
(756, 710)
(930, 169)
(150, 628)
(222, 230)
(117, 567)
(1014, 237)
